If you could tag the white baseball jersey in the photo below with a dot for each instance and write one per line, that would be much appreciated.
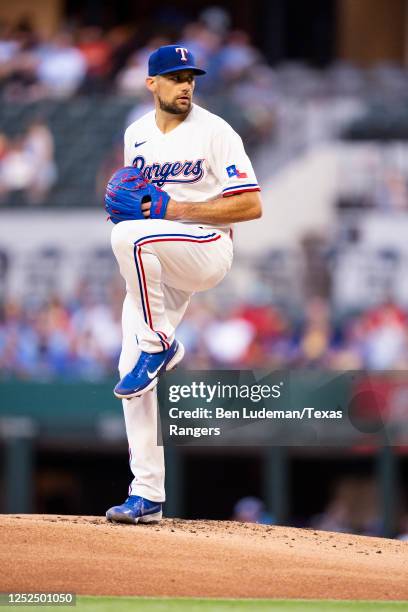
(164, 262)
(202, 159)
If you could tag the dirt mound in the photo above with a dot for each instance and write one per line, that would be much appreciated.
(87, 555)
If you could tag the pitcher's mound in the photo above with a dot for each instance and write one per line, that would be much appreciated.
(87, 555)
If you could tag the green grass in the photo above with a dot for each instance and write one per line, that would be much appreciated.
(147, 604)
(142, 604)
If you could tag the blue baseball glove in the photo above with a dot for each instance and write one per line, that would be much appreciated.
(127, 190)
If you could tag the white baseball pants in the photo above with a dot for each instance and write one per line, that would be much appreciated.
(163, 263)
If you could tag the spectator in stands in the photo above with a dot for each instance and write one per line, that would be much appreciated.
(316, 333)
(16, 171)
(39, 145)
(217, 19)
(97, 50)
(123, 40)
(347, 353)
(18, 48)
(251, 510)
(237, 57)
(254, 95)
(228, 338)
(131, 79)
(27, 164)
(203, 41)
(353, 508)
(61, 66)
(384, 340)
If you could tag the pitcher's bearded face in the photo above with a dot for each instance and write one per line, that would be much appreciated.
(175, 91)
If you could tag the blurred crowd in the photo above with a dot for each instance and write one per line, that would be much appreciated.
(289, 106)
(84, 56)
(353, 506)
(253, 336)
(377, 177)
(280, 111)
(27, 164)
(80, 338)
(84, 59)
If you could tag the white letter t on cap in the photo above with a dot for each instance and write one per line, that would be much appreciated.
(183, 52)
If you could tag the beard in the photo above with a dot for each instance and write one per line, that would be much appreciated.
(172, 108)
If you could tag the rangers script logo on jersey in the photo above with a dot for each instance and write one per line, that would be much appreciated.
(190, 171)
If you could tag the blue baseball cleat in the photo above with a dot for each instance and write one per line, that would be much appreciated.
(145, 374)
(135, 510)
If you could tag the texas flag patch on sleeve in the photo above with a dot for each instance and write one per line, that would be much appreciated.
(233, 171)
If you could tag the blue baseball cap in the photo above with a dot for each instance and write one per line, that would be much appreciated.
(171, 58)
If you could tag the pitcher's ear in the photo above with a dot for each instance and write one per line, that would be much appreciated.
(151, 83)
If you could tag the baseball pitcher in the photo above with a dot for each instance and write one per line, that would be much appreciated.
(186, 179)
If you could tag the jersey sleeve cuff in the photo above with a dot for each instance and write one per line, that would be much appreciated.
(236, 189)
